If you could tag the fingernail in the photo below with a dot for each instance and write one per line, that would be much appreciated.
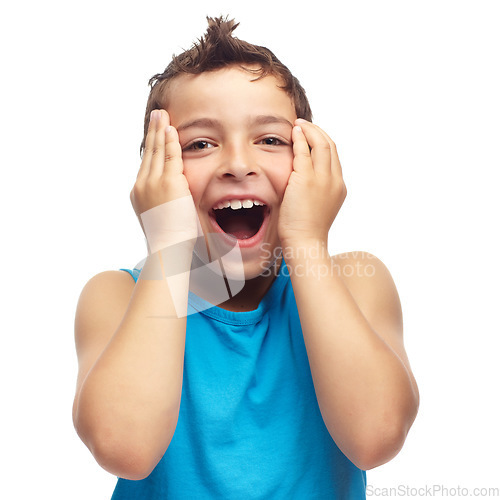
(154, 115)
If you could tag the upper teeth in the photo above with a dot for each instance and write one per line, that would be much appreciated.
(237, 204)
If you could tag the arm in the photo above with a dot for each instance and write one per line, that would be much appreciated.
(351, 322)
(130, 342)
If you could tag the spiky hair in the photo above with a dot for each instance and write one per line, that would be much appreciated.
(217, 49)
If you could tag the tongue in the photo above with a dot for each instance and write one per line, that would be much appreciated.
(241, 225)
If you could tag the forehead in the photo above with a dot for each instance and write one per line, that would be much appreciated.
(229, 93)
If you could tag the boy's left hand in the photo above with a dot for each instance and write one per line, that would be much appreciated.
(315, 190)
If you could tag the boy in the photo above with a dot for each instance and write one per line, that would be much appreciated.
(295, 385)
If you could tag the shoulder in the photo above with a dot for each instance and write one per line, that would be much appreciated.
(100, 310)
(362, 268)
(370, 284)
(374, 291)
(357, 264)
(102, 302)
(107, 286)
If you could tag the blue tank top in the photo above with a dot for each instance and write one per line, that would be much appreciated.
(249, 425)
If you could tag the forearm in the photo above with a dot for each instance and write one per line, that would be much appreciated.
(365, 392)
(129, 402)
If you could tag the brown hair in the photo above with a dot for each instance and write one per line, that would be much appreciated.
(218, 49)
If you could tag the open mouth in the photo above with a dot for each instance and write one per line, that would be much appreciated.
(240, 219)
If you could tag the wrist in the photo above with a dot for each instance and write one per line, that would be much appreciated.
(170, 223)
(169, 262)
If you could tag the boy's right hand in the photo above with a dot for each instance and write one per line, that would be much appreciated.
(161, 197)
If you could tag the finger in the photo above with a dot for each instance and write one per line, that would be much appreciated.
(335, 164)
(302, 161)
(148, 147)
(321, 154)
(158, 153)
(173, 152)
(336, 169)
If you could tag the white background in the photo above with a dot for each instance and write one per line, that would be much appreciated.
(409, 91)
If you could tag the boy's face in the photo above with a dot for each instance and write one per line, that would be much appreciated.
(236, 140)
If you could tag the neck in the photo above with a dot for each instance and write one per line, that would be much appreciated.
(253, 291)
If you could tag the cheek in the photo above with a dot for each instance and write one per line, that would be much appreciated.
(279, 175)
(196, 182)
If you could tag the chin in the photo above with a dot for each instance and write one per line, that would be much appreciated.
(262, 270)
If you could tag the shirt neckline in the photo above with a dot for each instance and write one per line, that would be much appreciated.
(242, 317)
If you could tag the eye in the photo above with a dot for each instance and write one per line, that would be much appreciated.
(198, 146)
(272, 141)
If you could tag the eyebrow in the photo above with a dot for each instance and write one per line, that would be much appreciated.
(269, 119)
(200, 123)
(211, 123)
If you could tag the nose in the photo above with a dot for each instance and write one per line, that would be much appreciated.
(237, 161)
